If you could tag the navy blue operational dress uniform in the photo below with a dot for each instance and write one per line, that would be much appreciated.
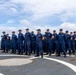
(38, 44)
(10, 43)
(39, 37)
(14, 42)
(75, 39)
(4, 38)
(48, 45)
(27, 42)
(20, 42)
(44, 44)
(67, 42)
(55, 42)
(72, 43)
(7, 44)
(33, 42)
(2, 43)
(61, 41)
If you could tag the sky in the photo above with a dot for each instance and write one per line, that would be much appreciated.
(34, 14)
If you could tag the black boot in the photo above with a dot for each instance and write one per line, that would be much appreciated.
(41, 55)
(36, 55)
(26, 53)
(69, 53)
(50, 54)
(21, 53)
(65, 56)
(29, 53)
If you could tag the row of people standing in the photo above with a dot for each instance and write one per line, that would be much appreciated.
(48, 43)
(27, 43)
(60, 43)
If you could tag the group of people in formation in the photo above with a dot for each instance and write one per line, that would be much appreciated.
(39, 44)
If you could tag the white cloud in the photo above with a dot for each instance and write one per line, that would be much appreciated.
(7, 29)
(40, 9)
(68, 26)
(13, 9)
(44, 8)
(65, 26)
(8, 7)
(25, 22)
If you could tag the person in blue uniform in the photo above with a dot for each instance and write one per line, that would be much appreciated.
(48, 45)
(67, 42)
(61, 41)
(44, 44)
(72, 43)
(33, 42)
(10, 43)
(75, 39)
(55, 42)
(39, 38)
(4, 38)
(14, 42)
(7, 44)
(2, 42)
(27, 42)
(20, 42)
(8, 35)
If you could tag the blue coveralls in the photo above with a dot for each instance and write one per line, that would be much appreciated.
(74, 36)
(61, 41)
(20, 43)
(44, 46)
(55, 43)
(48, 41)
(27, 42)
(39, 50)
(33, 43)
(72, 44)
(67, 43)
(14, 43)
(7, 45)
(4, 42)
(10, 44)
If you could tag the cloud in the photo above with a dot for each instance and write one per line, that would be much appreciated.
(40, 9)
(7, 29)
(27, 12)
(44, 8)
(66, 26)
(13, 9)
(8, 7)
(25, 22)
